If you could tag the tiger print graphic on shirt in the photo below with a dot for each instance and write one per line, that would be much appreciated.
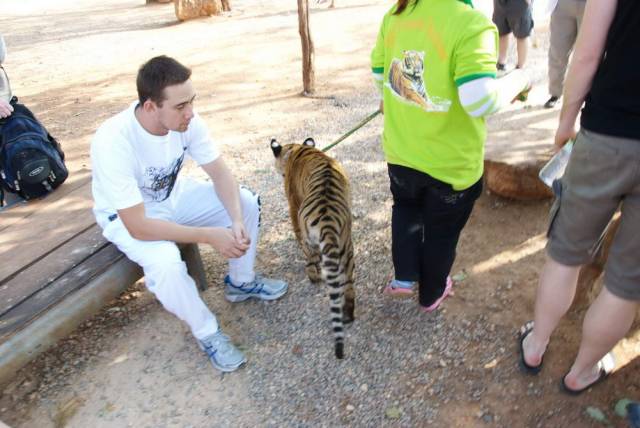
(319, 199)
(406, 81)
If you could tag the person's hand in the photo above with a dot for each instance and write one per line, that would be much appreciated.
(240, 233)
(225, 242)
(564, 133)
(524, 94)
(5, 109)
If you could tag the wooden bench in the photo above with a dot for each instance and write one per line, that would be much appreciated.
(57, 270)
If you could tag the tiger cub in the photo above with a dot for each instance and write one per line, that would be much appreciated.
(320, 209)
(405, 78)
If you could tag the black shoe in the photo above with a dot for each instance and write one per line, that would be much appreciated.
(501, 67)
(551, 102)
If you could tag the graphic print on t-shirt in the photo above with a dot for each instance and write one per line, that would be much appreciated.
(158, 182)
(407, 83)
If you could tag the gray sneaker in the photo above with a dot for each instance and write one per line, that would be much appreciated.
(223, 354)
(260, 288)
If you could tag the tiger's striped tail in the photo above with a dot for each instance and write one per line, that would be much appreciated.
(335, 268)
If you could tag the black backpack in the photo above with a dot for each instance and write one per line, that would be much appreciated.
(31, 160)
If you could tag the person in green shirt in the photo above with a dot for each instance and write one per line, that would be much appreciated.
(435, 64)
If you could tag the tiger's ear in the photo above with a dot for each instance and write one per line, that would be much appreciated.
(309, 142)
(276, 147)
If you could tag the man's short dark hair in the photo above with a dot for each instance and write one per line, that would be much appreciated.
(158, 73)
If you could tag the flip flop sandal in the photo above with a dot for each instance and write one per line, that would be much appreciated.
(448, 291)
(525, 330)
(397, 291)
(605, 368)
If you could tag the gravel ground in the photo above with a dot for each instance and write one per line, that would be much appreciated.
(133, 364)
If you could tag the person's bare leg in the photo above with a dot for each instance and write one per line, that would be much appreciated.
(556, 290)
(522, 46)
(608, 319)
(503, 48)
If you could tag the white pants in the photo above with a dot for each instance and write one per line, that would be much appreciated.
(192, 203)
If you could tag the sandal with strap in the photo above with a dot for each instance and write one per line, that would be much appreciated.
(525, 330)
(605, 368)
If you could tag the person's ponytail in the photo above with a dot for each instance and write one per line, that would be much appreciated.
(402, 5)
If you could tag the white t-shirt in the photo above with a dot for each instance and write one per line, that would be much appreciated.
(131, 166)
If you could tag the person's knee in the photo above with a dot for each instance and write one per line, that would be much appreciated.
(251, 206)
(165, 274)
(164, 262)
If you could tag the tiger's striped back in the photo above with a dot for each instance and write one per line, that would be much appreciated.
(320, 209)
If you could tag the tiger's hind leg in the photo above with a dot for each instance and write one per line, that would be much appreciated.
(313, 263)
(349, 304)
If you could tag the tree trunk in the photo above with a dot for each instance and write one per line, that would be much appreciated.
(308, 74)
(190, 9)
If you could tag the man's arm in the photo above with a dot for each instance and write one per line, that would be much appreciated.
(150, 229)
(3, 50)
(587, 55)
(5, 108)
(227, 189)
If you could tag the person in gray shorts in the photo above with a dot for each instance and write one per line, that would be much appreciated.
(513, 16)
(603, 175)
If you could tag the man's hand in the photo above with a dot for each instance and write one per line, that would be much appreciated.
(564, 133)
(225, 242)
(5, 109)
(240, 233)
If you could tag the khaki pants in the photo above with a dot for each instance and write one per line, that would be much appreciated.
(565, 23)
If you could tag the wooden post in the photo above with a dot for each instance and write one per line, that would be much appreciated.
(191, 256)
(308, 74)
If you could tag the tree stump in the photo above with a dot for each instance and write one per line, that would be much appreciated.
(308, 73)
(191, 9)
(520, 143)
(516, 180)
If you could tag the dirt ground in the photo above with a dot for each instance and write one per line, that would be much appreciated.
(74, 64)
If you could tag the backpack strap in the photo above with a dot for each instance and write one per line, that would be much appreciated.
(55, 145)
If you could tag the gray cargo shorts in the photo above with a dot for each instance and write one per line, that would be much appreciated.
(513, 16)
(603, 173)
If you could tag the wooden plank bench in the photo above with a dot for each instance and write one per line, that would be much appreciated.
(57, 271)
